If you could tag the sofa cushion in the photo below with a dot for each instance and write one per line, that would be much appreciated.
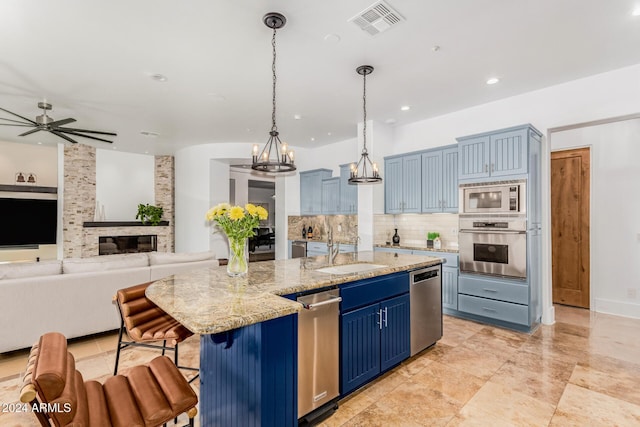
(17, 270)
(156, 258)
(104, 263)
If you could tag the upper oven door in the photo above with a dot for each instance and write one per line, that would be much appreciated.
(503, 198)
(497, 253)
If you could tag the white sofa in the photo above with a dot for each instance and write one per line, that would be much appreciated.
(74, 296)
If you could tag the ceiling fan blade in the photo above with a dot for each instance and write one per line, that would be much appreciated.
(61, 135)
(16, 121)
(15, 124)
(89, 131)
(59, 123)
(18, 115)
(29, 132)
(62, 130)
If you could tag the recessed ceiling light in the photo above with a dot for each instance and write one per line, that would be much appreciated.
(297, 116)
(332, 38)
(159, 77)
(313, 139)
(329, 133)
(405, 108)
(149, 134)
(114, 147)
(39, 143)
(146, 152)
(493, 80)
(636, 11)
(435, 48)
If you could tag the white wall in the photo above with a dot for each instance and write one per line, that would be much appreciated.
(615, 212)
(123, 180)
(42, 160)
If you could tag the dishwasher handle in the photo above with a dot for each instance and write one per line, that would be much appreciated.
(321, 303)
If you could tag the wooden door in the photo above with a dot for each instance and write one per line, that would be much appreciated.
(570, 185)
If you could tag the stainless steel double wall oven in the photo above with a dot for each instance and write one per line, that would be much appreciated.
(493, 229)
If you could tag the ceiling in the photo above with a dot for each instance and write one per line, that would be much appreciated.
(94, 61)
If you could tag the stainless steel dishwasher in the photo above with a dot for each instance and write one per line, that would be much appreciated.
(318, 355)
(425, 293)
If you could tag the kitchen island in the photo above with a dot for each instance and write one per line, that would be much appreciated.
(248, 329)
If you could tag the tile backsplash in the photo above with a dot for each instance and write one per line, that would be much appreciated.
(413, 228)
(345, 227)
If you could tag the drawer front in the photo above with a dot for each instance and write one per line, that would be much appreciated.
(505, 311)
(368, 291)
(317, 247)
(510, 292)
(451, 260)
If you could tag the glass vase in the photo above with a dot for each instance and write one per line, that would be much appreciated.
(238, 263)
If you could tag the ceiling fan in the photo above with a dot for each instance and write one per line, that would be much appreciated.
(46, 123)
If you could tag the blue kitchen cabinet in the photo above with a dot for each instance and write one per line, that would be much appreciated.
(440, 180)
(330, 196)
(375, 328)
(450, 287)
(348, 192)
(496, 154)
(311, 191)
(403, 184)
(317, 249)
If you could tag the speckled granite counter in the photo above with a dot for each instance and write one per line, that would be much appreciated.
(419, 248)
(208, 301)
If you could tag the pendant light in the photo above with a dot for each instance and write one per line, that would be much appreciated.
(365, 171)
(275, 156)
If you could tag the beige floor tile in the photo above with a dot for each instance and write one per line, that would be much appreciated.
(606, 375)
(505, 403)
(581, 407)
(478, 363)
(436, 351)
(12, 364)
(449, 381)
(544, 365)
(576, 316)
(539, 385)
(378, 415)
(414, 365)
(107, 342)
(84, 348)
(347, 409)
(383, 385)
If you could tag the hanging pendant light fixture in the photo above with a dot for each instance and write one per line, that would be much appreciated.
(365, 171)
(275, 156)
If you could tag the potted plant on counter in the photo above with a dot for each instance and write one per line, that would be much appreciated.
(433, 240)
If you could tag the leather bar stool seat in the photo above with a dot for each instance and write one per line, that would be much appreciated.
(149, 395)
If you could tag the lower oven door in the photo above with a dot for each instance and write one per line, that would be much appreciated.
(497, 253)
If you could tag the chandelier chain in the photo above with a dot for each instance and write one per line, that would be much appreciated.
(364, 109)
(273, 70)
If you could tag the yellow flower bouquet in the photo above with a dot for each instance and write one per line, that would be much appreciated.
(238, 224)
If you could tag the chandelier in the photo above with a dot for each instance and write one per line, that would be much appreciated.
(365, 171)
(275, 156)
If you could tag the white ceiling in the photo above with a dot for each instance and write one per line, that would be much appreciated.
(93, 59)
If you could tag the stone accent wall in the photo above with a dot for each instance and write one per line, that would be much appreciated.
(79, 195)
(91, 235)
(165, 195)
(345, 227)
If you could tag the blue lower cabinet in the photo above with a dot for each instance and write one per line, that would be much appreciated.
(248, 376)
(374, 338)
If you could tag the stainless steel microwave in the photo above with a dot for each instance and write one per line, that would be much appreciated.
(503, 197)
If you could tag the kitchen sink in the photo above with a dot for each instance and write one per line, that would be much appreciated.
(350, 268)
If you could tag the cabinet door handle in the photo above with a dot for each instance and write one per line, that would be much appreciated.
(385, 317)
(489, 290)
(380, 319)
(489, 309)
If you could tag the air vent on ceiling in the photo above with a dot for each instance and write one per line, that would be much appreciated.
(377, 18)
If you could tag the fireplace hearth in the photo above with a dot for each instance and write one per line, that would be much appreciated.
(109, 245)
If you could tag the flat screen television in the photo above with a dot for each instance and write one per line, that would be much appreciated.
(28, 221)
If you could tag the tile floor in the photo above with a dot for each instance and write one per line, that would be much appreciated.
(582, 371)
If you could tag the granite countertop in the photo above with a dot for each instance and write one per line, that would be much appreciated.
(208, 301)
(420, 248)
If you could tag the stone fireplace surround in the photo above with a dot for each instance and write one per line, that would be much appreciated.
(80, 240)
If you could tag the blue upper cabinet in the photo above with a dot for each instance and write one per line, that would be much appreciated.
(440, 180)
(495, 154)
(348, 193)
(311, 191)
(403, 184)
(330, 196)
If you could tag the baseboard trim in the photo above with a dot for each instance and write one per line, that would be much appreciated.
(618, 308)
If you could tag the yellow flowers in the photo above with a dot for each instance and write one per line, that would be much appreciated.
(235, 221)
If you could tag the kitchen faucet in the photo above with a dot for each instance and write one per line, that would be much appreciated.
(333, 248)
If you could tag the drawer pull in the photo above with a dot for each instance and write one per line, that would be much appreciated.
(489, 290)
(489, 309)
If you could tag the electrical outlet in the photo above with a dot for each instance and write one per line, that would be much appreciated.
(631, 293)
(454, 231)
(339, 228)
